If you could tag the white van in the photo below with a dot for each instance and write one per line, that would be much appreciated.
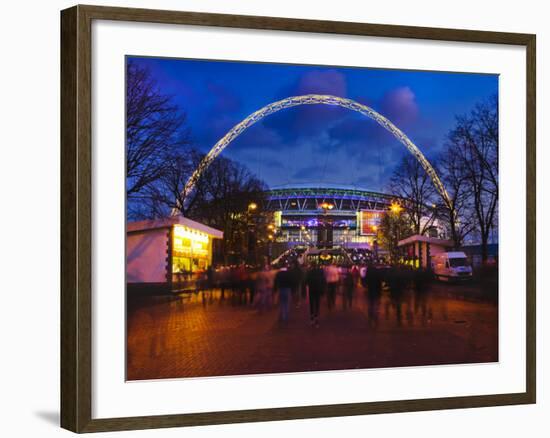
(451, 266)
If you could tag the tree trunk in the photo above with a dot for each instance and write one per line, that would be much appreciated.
(484, 248)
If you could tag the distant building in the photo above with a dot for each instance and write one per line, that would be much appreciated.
(327, 215)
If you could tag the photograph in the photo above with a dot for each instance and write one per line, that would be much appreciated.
(285, 218)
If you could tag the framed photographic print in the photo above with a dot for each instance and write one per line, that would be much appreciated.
(267, 218)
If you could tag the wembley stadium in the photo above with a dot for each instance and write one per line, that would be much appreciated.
(326, 215)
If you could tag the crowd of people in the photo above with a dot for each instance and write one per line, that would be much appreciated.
(294, 285)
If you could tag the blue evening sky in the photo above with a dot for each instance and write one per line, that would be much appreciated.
(318, 143)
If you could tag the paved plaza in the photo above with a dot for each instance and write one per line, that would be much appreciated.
(207, 334)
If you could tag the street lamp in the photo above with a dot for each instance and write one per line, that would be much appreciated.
(326, 206)
(327, 223)
(302, 229)
(395, 208)
(251, 233)
(375, 241)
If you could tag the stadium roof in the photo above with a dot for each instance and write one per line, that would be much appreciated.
(300, 198)
(319, 185)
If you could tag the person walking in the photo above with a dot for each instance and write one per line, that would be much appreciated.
(264, 286)
(331, 275)
(421, 288)
(355, 274)
(316, 283)
(297, 276)
(374, 291)
(349, 286)
(363, 275)
(283, 284)
(397, 282)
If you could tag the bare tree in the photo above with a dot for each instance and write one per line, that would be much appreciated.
(155, 130)
(456, 210)
(227, 189)
(473, 147)
(166, 195)
(411, 183)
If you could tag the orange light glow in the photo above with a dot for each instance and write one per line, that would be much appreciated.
(395, 208)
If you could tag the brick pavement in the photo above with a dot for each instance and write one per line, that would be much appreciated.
(203, 335)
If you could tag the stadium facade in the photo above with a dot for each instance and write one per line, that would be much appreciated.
(325, 214)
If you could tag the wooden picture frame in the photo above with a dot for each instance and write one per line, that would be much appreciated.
(76, 217)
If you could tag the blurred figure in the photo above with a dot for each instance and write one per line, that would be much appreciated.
(303, 285)
(409, 274)
(223, 280)
(331, 276)
(316, 283)
(421, 291)
(200, 281)
(396, 282)
(264, 287)
(241, 282)
(355, 274)
(210, 277)
(363, 275)
(374, 293)
(283, 284)
(297, 276)
(349, 286)
(251, 285)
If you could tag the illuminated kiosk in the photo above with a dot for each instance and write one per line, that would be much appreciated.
(167, 254)
(418, 250)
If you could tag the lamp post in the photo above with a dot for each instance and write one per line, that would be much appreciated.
(326, 206)
(375, 241)
(251, 235)
(271, 231)
(396, 209)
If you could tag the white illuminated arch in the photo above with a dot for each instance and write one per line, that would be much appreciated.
(314, 99)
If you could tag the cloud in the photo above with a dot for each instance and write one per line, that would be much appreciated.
(360, 151)
(322, 82)
(399, 105)
(308, 173)
(221, 108)
(260, 158)
(309, 119)
(280, 130)
(356, 133)
(258, 136)
(327, 127)
(224, 100)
